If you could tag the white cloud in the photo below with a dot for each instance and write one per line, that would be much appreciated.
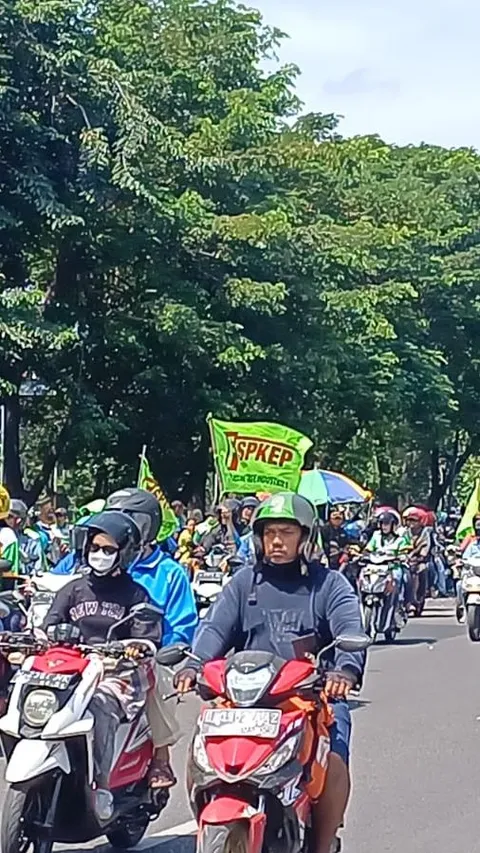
(406, 69)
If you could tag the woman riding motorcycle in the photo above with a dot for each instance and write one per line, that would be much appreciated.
(386, 540)
(167, 584)
(90, 606)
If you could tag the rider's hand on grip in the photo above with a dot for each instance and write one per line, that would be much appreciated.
(185, 680)
(338, 685)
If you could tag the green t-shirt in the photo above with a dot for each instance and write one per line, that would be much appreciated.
(393, 545)
(9, 548)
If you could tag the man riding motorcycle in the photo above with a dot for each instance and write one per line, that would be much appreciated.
(335, 538)
(420, 540)
(225, 531)
(93, 603)
(290, 600)
(167, 584)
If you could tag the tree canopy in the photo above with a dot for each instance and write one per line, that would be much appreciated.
(178, 237)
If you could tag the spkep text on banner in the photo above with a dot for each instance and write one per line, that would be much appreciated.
(256, 457)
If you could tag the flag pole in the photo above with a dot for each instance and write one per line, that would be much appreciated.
(216, 479)
(143, 456)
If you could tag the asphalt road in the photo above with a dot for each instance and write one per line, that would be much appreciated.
(416, 772)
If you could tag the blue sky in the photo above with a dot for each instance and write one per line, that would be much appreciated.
(408, 70)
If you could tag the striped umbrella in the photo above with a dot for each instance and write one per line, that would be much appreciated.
(322, 487)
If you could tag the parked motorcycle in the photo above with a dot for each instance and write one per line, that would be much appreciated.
(47, 738)
(379, 596)
(250, 766)
(469, 597)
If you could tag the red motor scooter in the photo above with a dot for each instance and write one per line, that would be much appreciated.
(256, 740)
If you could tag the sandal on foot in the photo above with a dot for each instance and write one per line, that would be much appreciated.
(161, 774)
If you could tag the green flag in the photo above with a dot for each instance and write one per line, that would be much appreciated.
(466, 524)
(257, 457)
(147, 481)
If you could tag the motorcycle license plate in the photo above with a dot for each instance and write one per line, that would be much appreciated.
(473, 598)
(45, 679)
(241, 722)
(209, 577)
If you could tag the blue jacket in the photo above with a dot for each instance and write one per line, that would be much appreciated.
(168, 586)
(280, 606)
(246, 550)
(65, 566)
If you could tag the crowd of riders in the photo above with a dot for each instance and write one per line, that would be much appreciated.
(288, 597)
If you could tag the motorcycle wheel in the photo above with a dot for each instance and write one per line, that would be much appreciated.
(473, 623)
(19, 800)
(129, 834)
(223, 839)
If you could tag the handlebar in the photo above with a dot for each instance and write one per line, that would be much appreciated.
(28, 642)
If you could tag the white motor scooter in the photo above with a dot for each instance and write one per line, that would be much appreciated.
(44, 587)
(47, 738)
(469, 597)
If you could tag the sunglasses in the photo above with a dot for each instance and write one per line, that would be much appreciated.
(106, 549)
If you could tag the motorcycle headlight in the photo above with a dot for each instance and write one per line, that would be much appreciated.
(246, 688)
(39, 706)
(282, 756)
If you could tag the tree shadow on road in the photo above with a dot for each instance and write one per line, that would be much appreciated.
(413, 641)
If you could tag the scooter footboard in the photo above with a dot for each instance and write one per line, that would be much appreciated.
(230, 819)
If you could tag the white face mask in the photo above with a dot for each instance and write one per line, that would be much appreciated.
(100, 562)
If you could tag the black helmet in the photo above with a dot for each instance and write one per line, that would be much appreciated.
(287, 506)
(142, 506)
(122, 529)
(388, 518)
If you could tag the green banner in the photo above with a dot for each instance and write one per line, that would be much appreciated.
(147, 481)
(257, 457)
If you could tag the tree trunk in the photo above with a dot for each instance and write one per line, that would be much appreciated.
(436, 490)
(12, 468)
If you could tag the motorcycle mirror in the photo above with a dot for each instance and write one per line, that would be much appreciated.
(145, 612)
(353, 642)
(172, 655)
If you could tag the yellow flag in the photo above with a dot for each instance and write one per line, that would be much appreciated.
(473, 507)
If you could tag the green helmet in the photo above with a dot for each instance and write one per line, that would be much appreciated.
(287, 506)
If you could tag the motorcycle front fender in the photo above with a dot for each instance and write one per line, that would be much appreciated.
(32, 758)
(225, 814)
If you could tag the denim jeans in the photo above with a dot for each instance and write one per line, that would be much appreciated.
(437, 573)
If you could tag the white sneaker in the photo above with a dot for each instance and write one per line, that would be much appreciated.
(103, 804)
